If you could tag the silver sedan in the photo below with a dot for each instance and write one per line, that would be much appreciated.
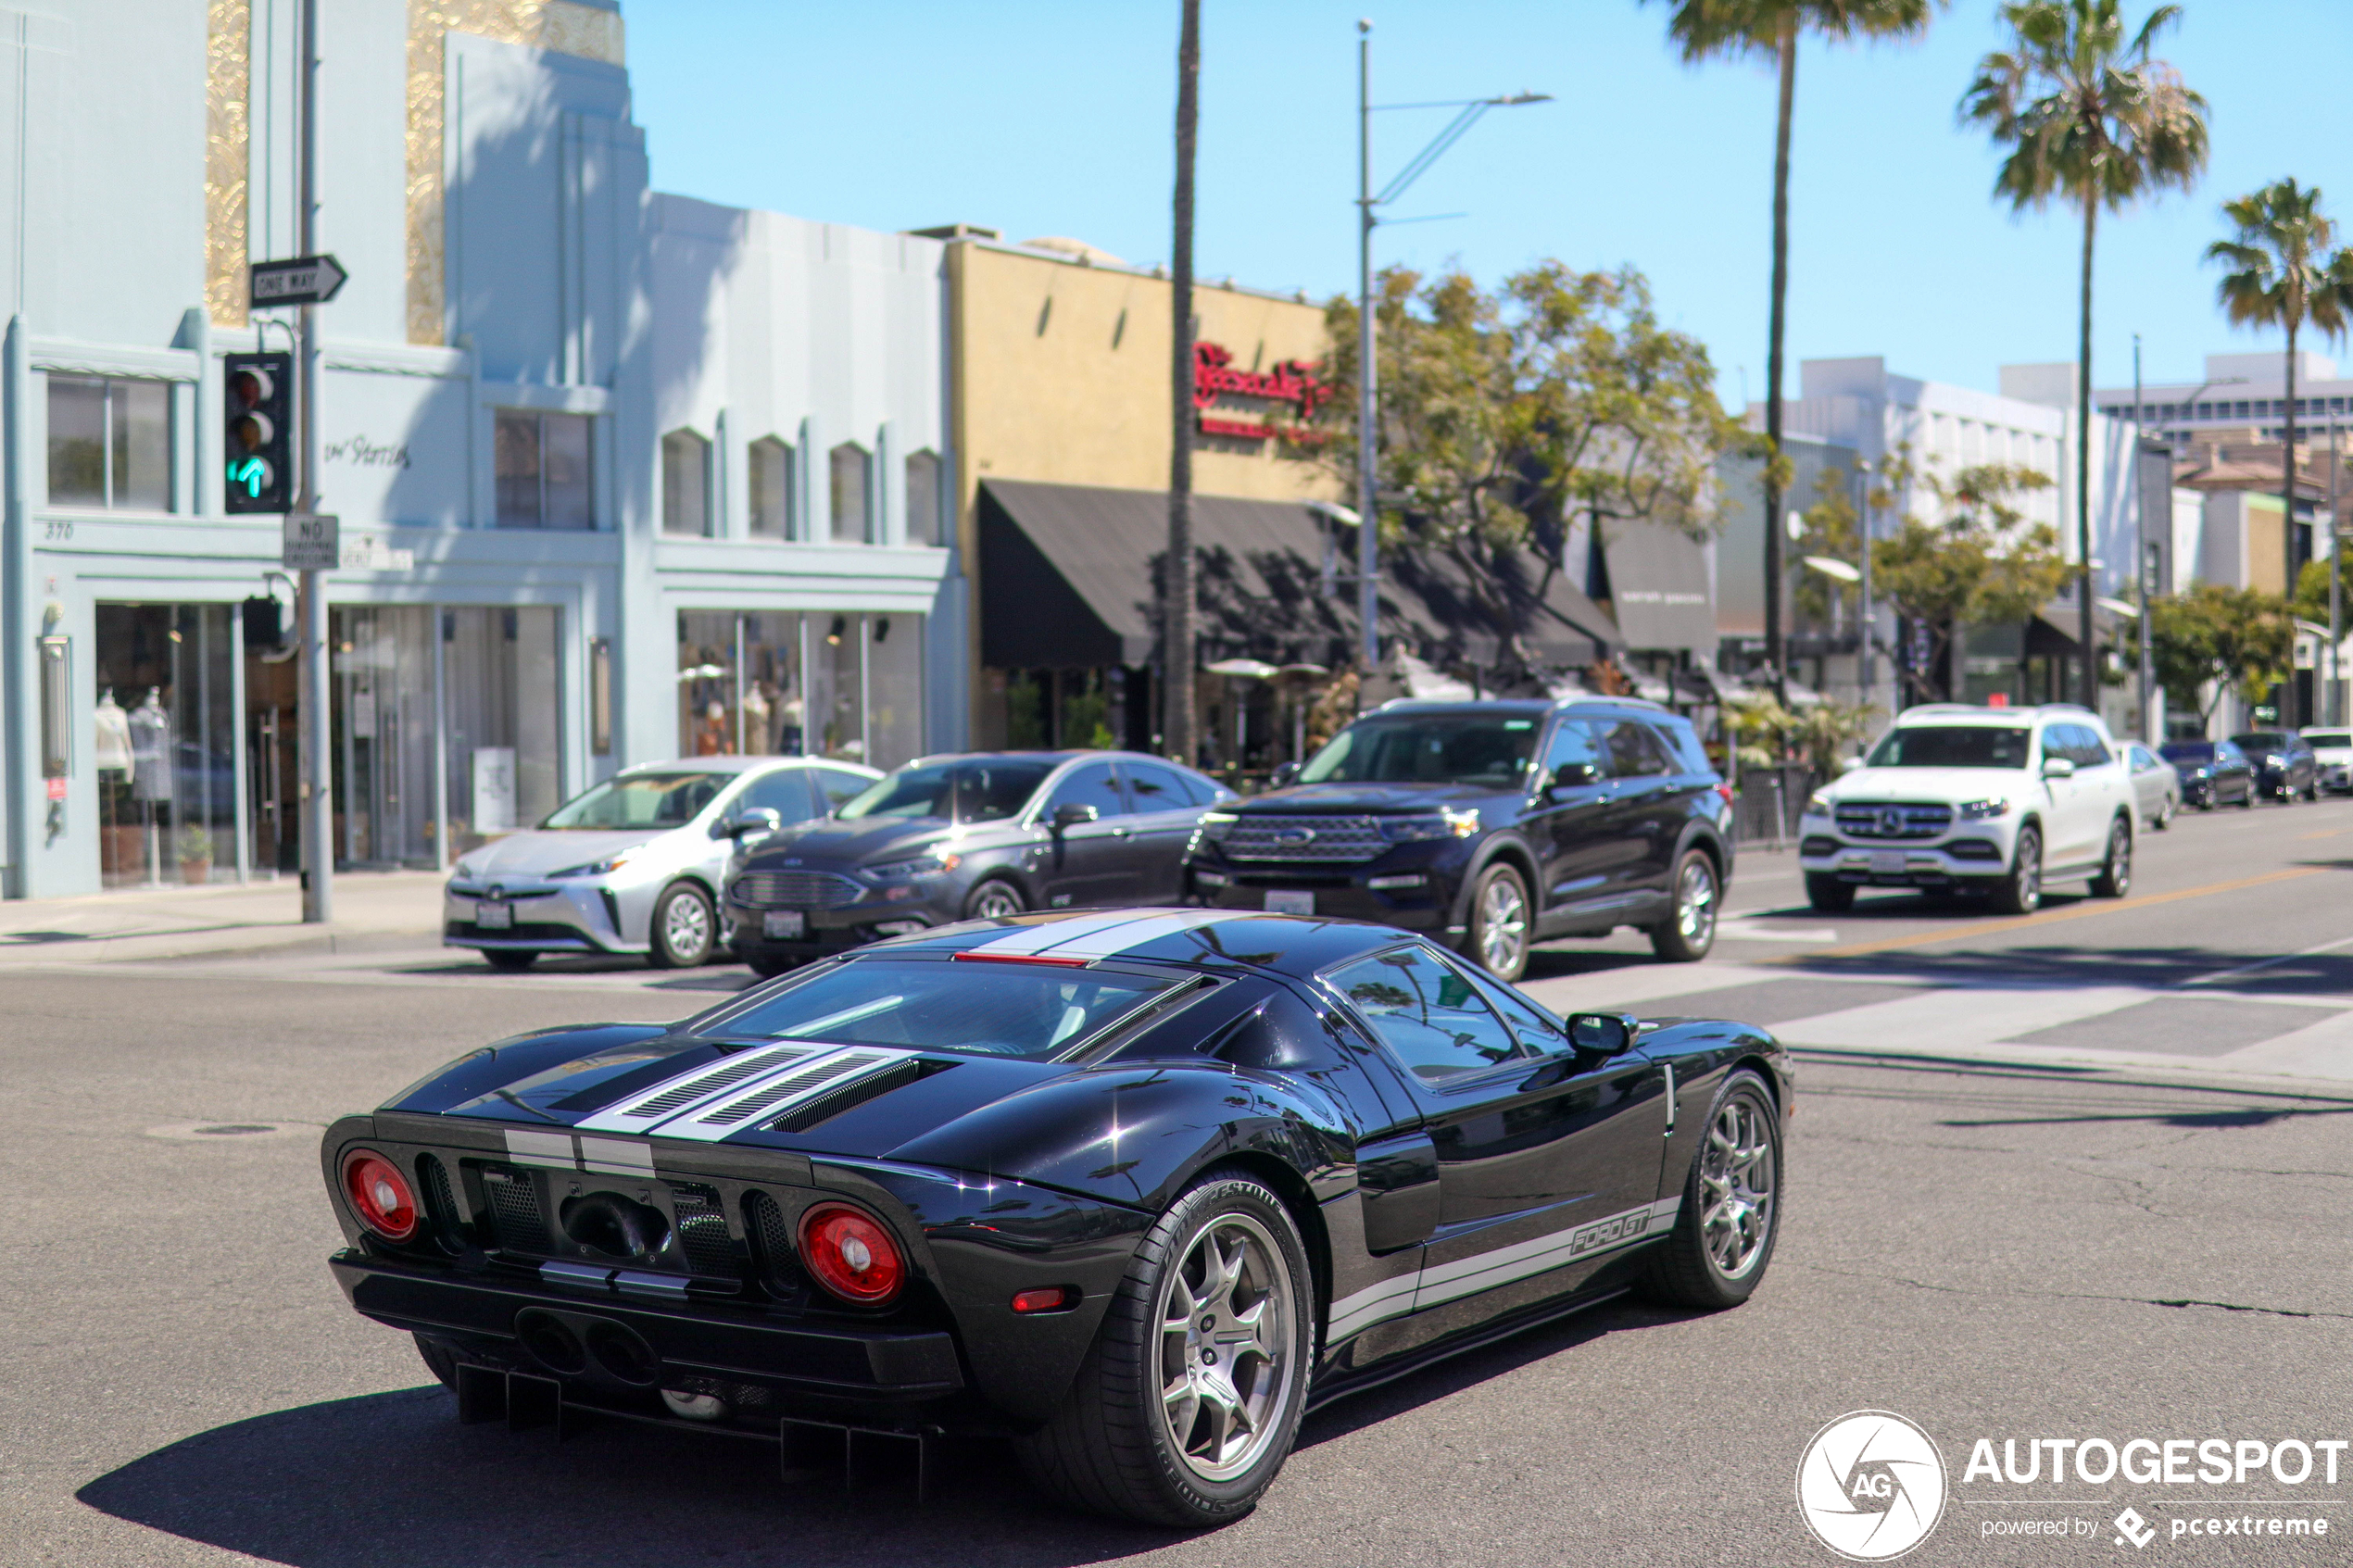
(2156, 788)
(635, 864)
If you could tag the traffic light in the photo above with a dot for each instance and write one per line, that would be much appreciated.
(259, 405)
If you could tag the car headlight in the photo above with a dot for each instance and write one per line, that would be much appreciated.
(1216, 825)
(1980, 811)
(2275, 761)
(1818, 804)
(1446, 823)
(598, 868)
(930, 863)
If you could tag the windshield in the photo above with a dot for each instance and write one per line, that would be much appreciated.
(641, 800)
(1016, 1009)
(2260, 740)
(1465, 748)
(2187, 751)
(2329, 737)
(962, 792)
(1952, 746)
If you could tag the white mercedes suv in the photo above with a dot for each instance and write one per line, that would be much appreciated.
(1993, 800)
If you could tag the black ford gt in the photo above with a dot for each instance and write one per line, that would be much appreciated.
(1134, 1188)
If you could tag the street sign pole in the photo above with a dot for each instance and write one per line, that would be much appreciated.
(317, 744)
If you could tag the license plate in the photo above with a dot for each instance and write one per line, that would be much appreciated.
(1887, 863)
(494, 917)
(1290, 901)
(783, 923)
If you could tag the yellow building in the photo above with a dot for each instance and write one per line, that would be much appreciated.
(1061, 434)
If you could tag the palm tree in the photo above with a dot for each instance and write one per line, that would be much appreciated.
(2094, 120)
(1177, 641)
(1705, 30)
(2283, 276)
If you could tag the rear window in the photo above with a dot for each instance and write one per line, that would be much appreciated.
(1032, 1011)
(1687, 745)
(2187, 751)
(1953, 746)
(2329, 737)
(2260, 740)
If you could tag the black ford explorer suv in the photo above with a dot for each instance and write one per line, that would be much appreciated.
(1493, 825)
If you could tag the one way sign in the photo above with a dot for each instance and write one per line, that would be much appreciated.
(309, 279)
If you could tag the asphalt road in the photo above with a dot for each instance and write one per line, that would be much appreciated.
(2126, 1222)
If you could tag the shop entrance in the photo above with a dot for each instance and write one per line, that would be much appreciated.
(166, 745)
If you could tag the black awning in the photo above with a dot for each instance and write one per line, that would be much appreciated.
(1658, 587)
(1069, 574)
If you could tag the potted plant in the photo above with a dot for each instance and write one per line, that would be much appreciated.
(195, 854)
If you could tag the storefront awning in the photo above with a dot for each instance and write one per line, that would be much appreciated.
(1658, 587)
(1069, 572)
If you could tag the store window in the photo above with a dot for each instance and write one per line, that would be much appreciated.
(852, 494)
(926, 524)
(110, 443)
(165, 750)
(843, 685)
(686, 483)
(544, 471)
(771, 485)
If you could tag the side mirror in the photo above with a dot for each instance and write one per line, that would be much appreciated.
(759, 819)
(1572, 775)
(1284, 773)
(1849, 764)
(1072, 815)
(2057, 768)
(1603, 1034)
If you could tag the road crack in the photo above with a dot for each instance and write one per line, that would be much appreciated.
(2176, 1302)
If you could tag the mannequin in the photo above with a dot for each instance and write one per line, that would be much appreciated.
(113, 748)
(150, 728)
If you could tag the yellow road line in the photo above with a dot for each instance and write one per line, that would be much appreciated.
(2046, 917)
(2330, 833)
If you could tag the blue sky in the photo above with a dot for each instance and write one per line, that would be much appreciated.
(1050, 117)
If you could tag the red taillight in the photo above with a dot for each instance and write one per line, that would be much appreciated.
(851, 1254)
(381, 1196)
(1725, 790)
(1053, 1298)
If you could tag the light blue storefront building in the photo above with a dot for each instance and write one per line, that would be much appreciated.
(622, 475)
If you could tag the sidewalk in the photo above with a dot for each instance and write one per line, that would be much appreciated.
(373, 910)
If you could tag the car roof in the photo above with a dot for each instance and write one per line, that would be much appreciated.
(1636, 704)
(1297, 945)
(742, 765)
(1970, 713)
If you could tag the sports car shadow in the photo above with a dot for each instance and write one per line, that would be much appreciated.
(392, 1481)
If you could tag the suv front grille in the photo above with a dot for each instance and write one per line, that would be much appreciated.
(1894, 821)
(797, 890)
(1270, 837)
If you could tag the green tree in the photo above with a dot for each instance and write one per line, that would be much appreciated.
(2092, 119)
(1817, 734)
(2311, 601)
(1559, 395)
(1704, 29)
(2214, 638)
(2284, 275)
(1975, 561)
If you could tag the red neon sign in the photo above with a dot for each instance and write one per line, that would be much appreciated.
(1294, 381)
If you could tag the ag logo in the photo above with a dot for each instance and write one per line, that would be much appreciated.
(1871, 1485)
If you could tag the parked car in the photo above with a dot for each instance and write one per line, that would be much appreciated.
(1988, 800)
(2333, 755)
(2213, 773)
(1491, 826)
(2156, 788)
(982, 835)
(1178, 1176)
(634, 864)
(2286, 768)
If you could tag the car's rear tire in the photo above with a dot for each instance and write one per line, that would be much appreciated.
(2164, 818)
(995, 899)
(1690, 931)
(1502, 926)
(685, 929)
(2020, 892)
(1827, 894)
(2115, 876)
(440, 1359)
(508, 960)
(1167, 1422)
(1724, 1232)
(2246, 801)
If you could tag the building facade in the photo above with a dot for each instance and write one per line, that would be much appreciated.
(620, 475)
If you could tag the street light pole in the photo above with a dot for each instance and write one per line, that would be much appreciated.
(317, 746)
(2335, 704)
(1863, 664)
(1367, 341)
(2141, 549)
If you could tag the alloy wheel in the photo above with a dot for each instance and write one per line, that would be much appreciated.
(1502, 925)
(1737, 1186)
(1225, 1336)
(685, 926)
(1695, 903)
(996, 901)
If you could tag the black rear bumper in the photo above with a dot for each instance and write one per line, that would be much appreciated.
(876, 1365)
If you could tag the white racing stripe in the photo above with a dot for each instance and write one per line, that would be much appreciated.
(1434, 1286)
(1134, 932)
(694, 1088)
(1027, 939)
